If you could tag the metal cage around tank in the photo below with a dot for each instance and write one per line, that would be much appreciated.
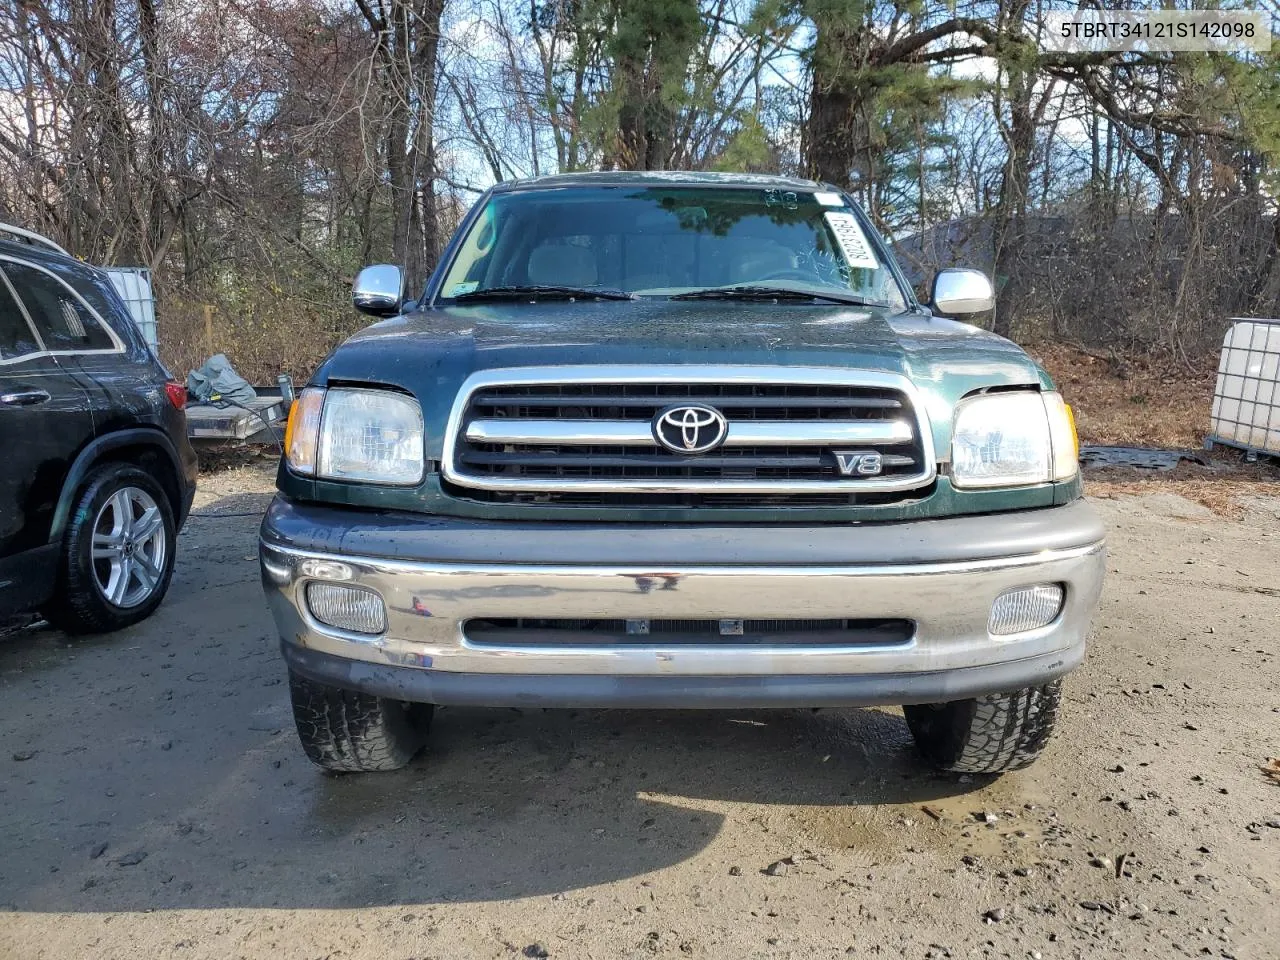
(1246, 398)
(134, 286)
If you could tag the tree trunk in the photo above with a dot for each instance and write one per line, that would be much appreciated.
(1011, 215)
(651, 46)
(831, 146)
(408, 53)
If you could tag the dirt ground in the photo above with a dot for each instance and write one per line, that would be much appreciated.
(154, 802)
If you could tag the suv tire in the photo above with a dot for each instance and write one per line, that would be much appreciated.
(990, 734)
(349, 732)
(117, 553)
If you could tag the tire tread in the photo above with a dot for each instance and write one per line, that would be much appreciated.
(350, 732)
(995, 733)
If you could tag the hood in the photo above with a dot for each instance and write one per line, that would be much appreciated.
(430, 352)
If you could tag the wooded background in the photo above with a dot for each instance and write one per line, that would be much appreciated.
(255, 153)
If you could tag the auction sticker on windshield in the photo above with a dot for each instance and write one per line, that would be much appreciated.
(853, 243)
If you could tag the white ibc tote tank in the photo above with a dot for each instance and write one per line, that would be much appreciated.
(1246, 400)
(134, 286)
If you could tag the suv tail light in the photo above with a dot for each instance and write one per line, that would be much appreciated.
(177, 393)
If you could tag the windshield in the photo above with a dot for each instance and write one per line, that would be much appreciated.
(667, 241)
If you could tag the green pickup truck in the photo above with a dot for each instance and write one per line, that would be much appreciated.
(678, 440)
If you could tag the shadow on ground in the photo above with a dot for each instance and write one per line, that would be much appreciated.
(172, 744)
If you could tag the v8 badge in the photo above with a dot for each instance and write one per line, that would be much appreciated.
(851, 463)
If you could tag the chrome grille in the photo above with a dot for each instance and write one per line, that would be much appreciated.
(565, 432)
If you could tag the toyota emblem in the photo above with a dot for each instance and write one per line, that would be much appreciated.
(690, 428)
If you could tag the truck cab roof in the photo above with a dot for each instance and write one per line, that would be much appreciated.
(660, 178)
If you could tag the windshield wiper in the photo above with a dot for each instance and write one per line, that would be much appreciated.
(756, 292)
(545, 292)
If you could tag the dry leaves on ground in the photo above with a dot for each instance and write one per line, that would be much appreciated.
(1138, 400)
(1221, 495)
(1223, 486)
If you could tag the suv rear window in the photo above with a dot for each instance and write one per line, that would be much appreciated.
(16, 339)
(61, 317)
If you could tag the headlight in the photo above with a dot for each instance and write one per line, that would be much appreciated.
(1012, 439)
(348, 433)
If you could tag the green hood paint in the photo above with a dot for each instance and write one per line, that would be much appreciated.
(429, 353)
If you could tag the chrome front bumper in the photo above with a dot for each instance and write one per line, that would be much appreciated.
(448, 571)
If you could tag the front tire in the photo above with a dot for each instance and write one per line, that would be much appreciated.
(349, 732)
(991, 734)
(117, 554)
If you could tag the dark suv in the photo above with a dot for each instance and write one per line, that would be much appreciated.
(97, 474)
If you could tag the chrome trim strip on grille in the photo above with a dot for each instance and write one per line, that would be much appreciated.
(637, 433)
(693, 373)
(585, 432)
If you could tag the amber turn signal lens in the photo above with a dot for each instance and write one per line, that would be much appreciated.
(302, 433)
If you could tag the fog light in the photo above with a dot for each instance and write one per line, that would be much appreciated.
(347, 608)
(1026, 608)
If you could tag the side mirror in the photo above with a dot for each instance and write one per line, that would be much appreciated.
(379, 290)
(962, 291)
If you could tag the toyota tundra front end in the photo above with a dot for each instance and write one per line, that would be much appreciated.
(682, 441)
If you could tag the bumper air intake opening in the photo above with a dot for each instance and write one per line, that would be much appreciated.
(530, 631)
